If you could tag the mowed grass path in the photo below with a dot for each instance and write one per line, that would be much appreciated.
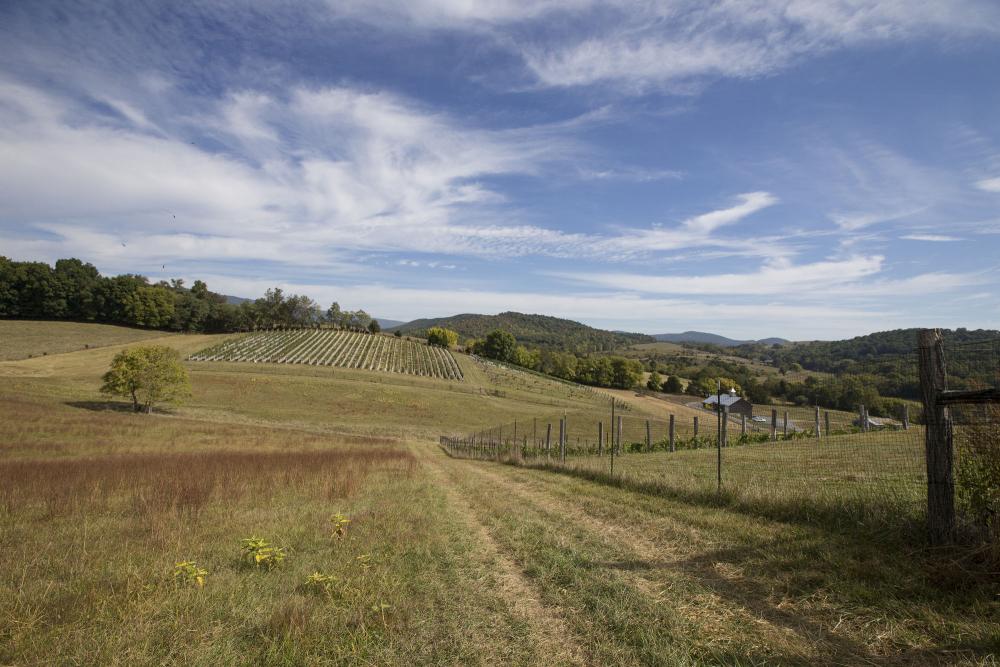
(445, 561)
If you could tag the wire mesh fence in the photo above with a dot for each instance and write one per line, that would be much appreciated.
(866, 463)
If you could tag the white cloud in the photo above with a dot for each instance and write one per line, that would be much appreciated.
(989, 184)
(930, 237)
(773, 278)
(670, 44)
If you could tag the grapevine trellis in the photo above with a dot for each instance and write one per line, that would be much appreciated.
(329, 347)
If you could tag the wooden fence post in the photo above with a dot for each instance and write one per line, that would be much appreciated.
(818, 433)
(548, 440)
(672, 433)
(649, 440)
(784, 427)
(906, 416)
(600, 438)
(938, 440)
(826, 420)
(743, 424)
(774, 424)
(562, 440)
(696, 427)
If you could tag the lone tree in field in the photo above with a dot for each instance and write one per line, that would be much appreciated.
(148, 375)
(441, 337)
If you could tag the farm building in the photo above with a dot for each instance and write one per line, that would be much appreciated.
(731, 400)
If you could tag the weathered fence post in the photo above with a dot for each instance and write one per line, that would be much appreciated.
(784, 427)
(826, 422)
(862, 418)
(562, 440)
(672, 433)
(818, 434)
(774, 424)
(724, 431)
(548, 440)
(649, 440)
(743, 424)
(696, 427)
(938, 439)
(906, 417)
(619, 435)
(600, 438)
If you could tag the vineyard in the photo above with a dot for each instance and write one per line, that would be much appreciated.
(346, 349)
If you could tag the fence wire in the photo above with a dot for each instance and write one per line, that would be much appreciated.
(868, 462)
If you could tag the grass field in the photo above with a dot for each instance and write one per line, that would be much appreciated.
(444, 561)
(24, 339)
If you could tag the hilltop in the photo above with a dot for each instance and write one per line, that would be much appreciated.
(535, 330)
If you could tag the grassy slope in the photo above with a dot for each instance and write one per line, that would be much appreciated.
(22, 339)
(476, 563)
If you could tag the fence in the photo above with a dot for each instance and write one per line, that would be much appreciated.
(800, 459)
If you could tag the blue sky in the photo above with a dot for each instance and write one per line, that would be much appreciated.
(799, 168)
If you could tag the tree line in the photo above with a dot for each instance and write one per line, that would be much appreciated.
(74, 290)
(594, 370)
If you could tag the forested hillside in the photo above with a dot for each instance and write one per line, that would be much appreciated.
(854, 355)
(541, 331)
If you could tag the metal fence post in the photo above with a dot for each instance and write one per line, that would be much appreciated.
(600, 438)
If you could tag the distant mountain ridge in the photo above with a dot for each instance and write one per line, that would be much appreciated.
(714, 339)
(532, 330)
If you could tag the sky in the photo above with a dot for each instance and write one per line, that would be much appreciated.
(810, 169)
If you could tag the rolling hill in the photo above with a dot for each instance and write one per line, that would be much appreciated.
(713, 339)
(533, 330)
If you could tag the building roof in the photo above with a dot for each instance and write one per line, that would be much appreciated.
(727, 399)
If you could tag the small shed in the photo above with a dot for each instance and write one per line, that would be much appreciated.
(731, 400)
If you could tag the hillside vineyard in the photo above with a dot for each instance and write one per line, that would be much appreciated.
(346, 349)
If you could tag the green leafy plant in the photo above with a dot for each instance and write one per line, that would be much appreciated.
(262, 554)
(340, 523)
(188, 573)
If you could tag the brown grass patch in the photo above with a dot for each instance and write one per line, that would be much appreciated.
(146, 484)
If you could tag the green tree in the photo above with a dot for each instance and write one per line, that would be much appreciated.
(625, 373)
(374, 327)
(655, 381)
(673, 385)
(148, 375)
(442, 337)
(500, 345)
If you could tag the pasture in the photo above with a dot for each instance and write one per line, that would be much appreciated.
(24, 339)
(443, 561)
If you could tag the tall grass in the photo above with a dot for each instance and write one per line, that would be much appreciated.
(145, 484)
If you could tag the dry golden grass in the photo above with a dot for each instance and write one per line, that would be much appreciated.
(21, 339)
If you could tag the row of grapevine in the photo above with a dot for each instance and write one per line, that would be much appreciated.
(331, 347)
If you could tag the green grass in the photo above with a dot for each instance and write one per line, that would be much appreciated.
(23, 339)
